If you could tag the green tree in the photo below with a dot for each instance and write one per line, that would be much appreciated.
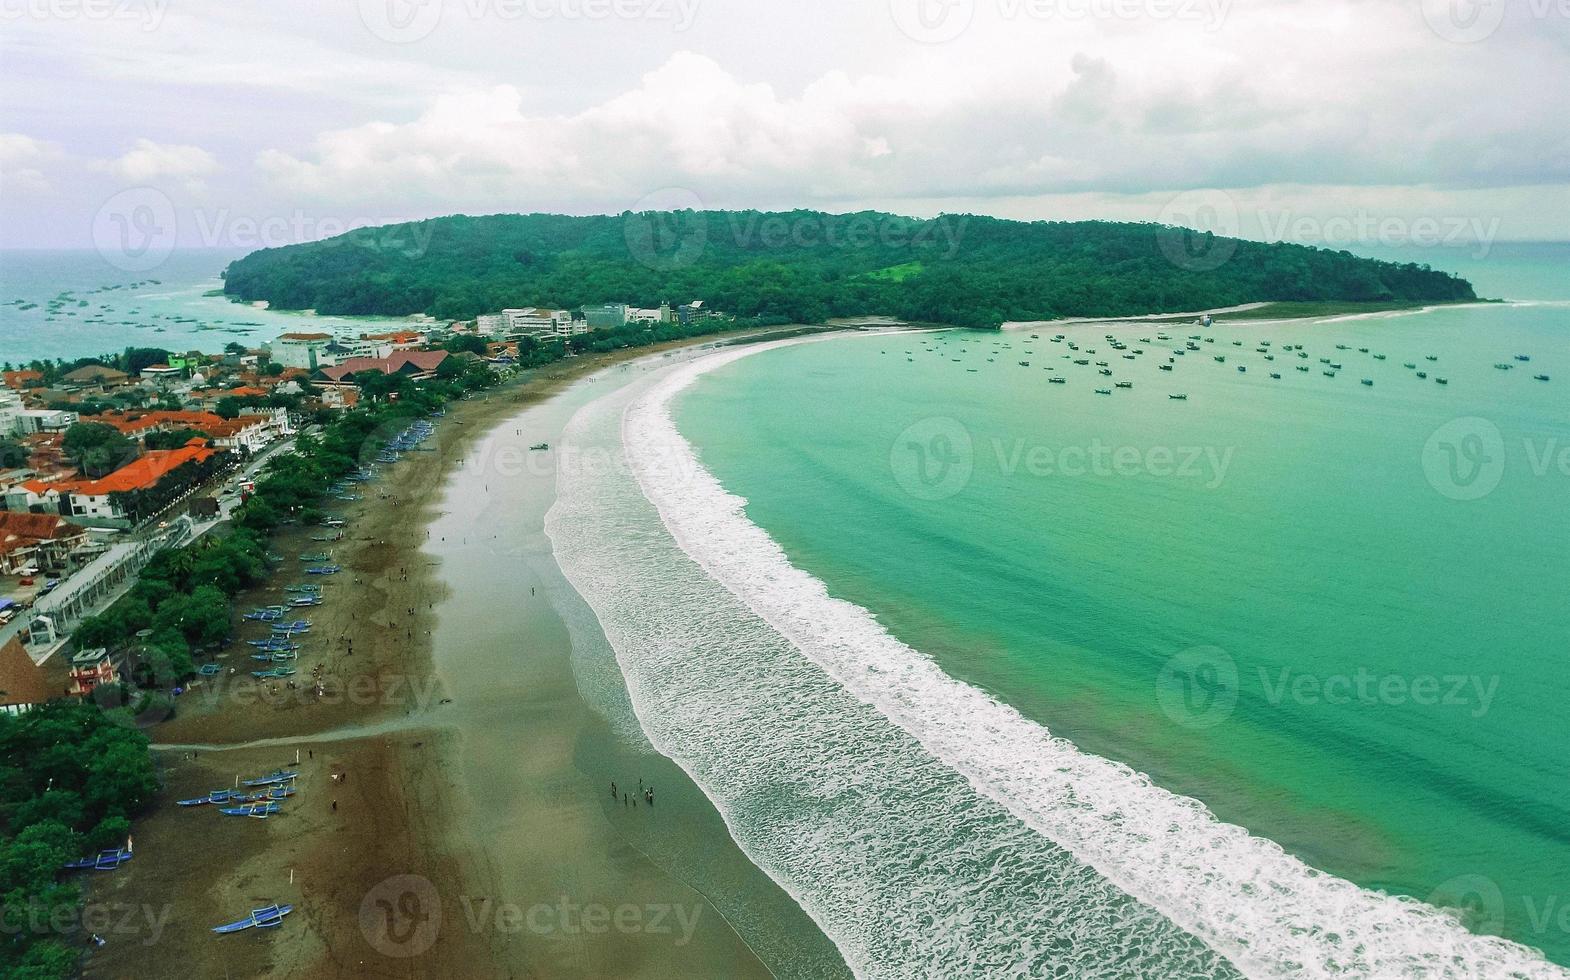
(13, 455)
(97, 449)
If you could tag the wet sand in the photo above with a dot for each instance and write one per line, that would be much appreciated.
(536, 694)
(473, 833)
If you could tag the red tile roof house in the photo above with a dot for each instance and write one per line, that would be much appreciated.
(17, 380)
(417, 365)
(23, 684)
(44, 541)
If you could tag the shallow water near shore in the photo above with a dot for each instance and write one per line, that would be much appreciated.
(1311, 623)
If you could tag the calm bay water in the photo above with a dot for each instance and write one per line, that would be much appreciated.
(1331, 612)
(69, 304)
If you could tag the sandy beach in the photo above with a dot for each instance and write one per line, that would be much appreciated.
(454, 815)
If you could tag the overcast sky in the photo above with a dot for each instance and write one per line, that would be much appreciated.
(268, 122)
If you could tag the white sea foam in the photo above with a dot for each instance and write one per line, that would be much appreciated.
(1264, 910)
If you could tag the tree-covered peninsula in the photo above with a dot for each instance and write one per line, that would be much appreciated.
(808, 266)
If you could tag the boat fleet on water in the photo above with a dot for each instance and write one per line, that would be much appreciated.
(1276, 357)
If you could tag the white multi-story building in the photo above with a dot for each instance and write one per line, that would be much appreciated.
(300, 350)
(45, 420)
(490, 324)
(534, 322)
(10, 412)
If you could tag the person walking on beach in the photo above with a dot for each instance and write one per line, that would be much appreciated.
(614, 794)
(335, 806)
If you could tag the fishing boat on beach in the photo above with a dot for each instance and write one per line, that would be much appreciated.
(260, 811)
(267, 917)
(277, 777)
(102, 861)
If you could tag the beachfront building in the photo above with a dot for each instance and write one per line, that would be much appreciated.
(300, 350)
(415, 365)
(105, 499)
(541, 323)
(89, 669)
(607, 316)
(490, 324)
(23, 684)
(689, 313)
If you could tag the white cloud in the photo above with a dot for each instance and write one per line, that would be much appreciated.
(23, 161)
(148, 162)
(1010, 109)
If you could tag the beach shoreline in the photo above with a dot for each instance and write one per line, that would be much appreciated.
(397, 820)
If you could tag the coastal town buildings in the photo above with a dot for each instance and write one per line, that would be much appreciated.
(249, 433)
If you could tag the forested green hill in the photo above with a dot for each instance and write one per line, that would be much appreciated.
(807, 266)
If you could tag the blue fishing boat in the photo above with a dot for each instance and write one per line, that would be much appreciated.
(323, 570)
(216, 796)
(102, 861)
(260, 811)
(273, 778)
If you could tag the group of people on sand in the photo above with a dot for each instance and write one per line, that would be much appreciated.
(632, 799)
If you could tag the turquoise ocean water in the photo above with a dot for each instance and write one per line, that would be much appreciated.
(69, 304)
(1333, 613)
